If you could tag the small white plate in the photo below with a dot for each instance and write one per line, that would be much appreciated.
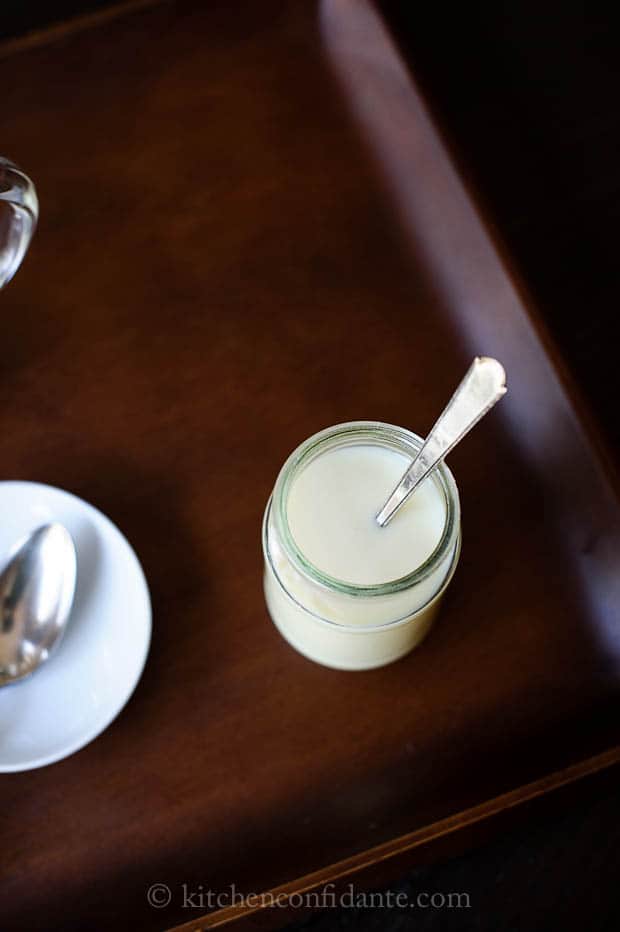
(70, 699)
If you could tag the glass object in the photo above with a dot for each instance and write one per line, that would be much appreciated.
(19, 210)
(352, 625)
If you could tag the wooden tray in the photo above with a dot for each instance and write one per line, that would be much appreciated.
(250, 230)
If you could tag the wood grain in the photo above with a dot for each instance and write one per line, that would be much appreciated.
(251, 230)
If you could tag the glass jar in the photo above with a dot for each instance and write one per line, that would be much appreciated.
(339, 624)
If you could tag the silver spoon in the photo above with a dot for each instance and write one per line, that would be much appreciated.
(36, 594)
(483, 385)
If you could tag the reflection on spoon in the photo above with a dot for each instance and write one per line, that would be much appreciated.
(36, 594)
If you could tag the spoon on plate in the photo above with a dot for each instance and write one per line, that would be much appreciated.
(37, 586)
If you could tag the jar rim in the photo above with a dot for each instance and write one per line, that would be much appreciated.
(352, 433)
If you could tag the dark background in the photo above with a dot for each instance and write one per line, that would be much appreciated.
(21, 16)
(527, 94)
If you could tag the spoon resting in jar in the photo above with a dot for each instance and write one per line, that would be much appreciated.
(483, 385)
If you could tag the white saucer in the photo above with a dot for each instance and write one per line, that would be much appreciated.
(75, 695)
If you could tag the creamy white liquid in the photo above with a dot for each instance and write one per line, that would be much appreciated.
(331, 514)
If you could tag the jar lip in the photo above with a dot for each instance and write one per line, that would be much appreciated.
(351, 433)
(348, 628)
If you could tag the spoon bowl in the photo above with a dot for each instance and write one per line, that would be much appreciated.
(37, 587)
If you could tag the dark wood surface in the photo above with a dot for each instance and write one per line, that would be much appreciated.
(219, 272)
(554, 870)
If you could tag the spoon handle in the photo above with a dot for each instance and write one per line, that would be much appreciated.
(483, 385)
